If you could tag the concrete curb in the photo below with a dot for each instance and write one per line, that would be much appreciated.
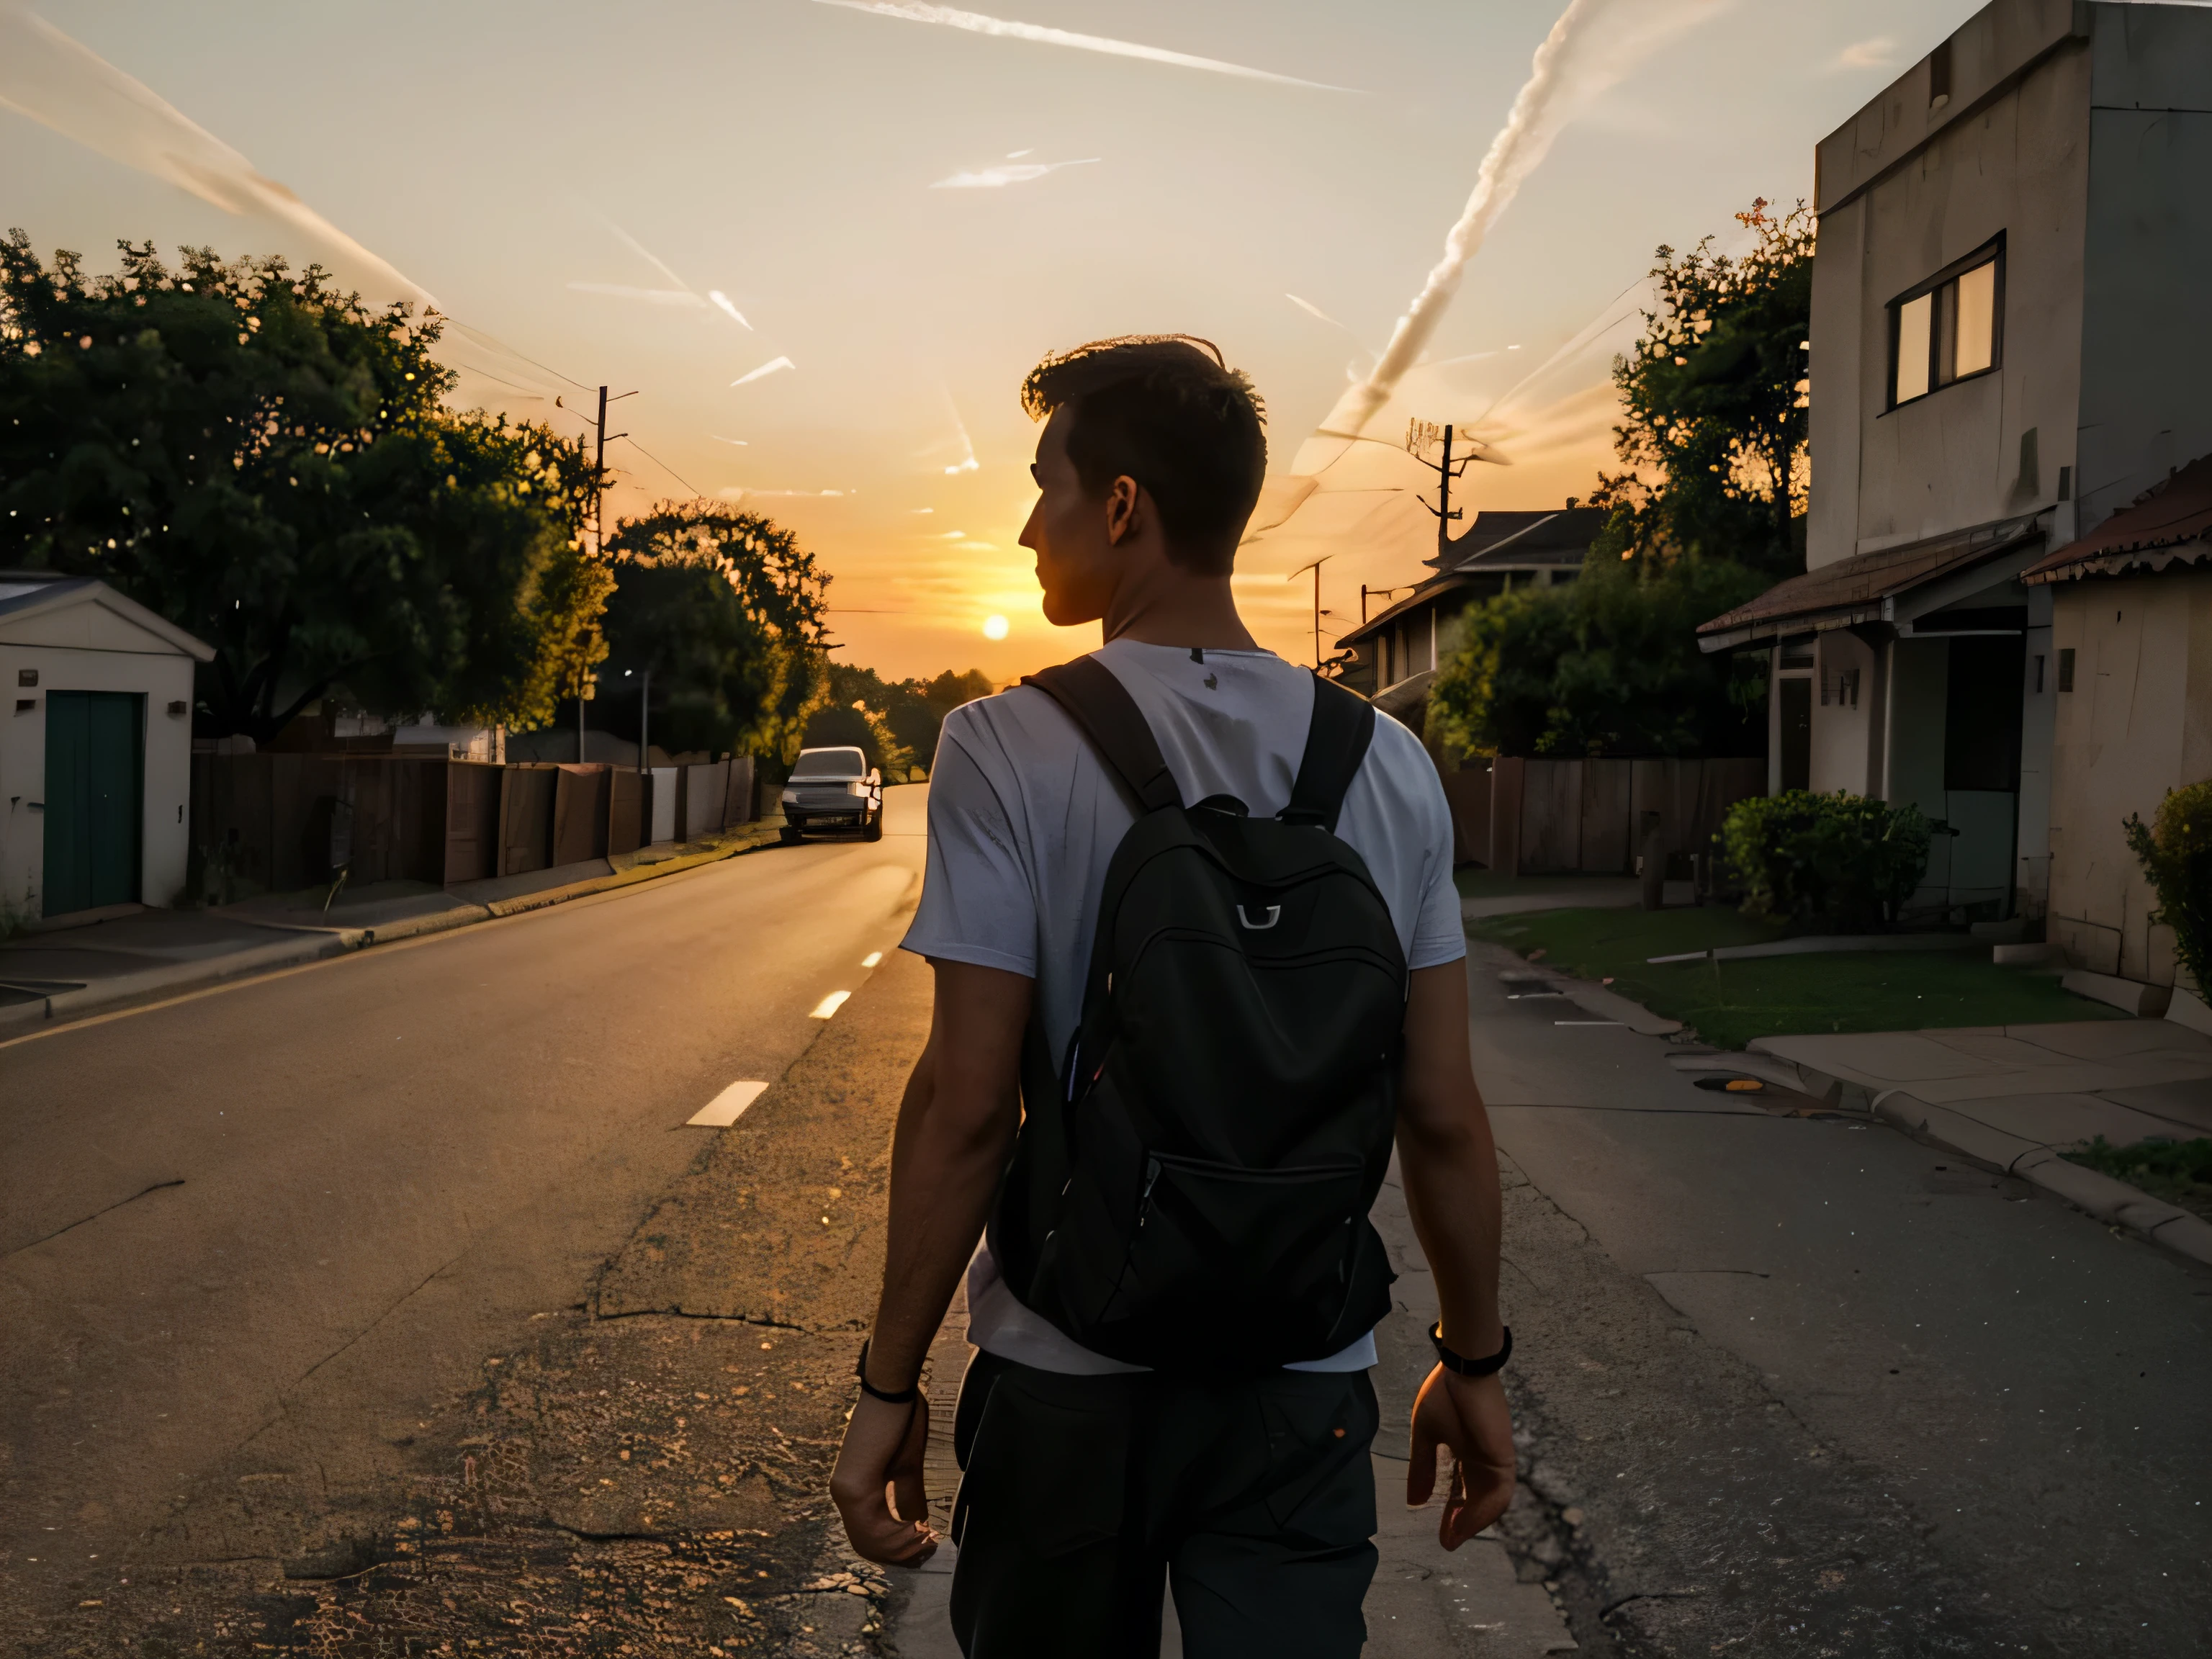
(309, 944)
(2110, 1200)
(151, 982)
(1596, 1000)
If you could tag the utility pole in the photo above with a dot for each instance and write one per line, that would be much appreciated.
(1316, 567)
(600, 434)
(1420, 434)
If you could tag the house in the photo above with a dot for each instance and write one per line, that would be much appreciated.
(95, 758)
(2130, 671)
(1393, 656)
(2008, 344)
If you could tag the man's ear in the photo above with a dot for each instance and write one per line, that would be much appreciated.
(1125, 509)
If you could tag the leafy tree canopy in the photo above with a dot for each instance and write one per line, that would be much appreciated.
(1715, 397)
(1706, 514)
(725, 610)
(903, 717)
(265, 461)
(1609, 665)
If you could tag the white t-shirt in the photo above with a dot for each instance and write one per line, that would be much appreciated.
(1024, 818)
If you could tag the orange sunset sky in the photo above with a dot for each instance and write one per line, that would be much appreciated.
(823, 239)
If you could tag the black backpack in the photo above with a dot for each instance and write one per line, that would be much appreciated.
(1190, 1186)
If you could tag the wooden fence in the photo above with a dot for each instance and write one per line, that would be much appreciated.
(1550, 816)
(282, 822)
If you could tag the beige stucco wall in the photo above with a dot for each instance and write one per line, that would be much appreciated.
(1846, 735)
(88, 648)
(2137, 723)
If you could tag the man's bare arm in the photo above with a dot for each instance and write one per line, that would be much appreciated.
(1450, 1166)
(961, 1106)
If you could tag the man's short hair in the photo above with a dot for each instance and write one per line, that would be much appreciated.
(1168, 412)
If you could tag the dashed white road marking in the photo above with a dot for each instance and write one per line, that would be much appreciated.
(871, 958)
(828, 1005)
(727, 1107)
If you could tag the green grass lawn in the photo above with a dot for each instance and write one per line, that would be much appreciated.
(1732, 1002)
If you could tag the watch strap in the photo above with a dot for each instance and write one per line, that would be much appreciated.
(1464, 1367)
(905, 1396)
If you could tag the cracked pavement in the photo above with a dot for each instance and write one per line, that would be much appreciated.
(343, 1311)
(388, 1307)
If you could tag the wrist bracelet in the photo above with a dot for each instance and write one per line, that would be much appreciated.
(1452, 1362)
(905, 1396)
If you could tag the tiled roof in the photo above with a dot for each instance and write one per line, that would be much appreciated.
(1554, 536)
(2166, 524)
(1852, 590)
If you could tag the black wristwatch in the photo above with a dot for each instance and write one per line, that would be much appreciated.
(905, 1396)
(1452, 1362)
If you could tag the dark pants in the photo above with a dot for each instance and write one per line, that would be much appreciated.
(1080, 1494)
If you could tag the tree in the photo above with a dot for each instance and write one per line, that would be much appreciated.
(1706, 514)
(1609, 665)
(903, 717)
(1714, 399)
(725, 610)
(266, 462)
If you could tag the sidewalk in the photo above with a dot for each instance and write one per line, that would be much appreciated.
(66, 973)
(2016, 1096)
(1572, 893)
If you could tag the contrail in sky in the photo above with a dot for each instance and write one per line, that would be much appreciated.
(1594, 44)
(994, 177)
(659, 297)
(1312, 310)
(774, 366)
(46, 75)
(662, 296)
(917, 11)
(968, 463)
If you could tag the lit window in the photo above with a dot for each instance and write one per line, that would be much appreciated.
(1949, 330)
(1913, 331)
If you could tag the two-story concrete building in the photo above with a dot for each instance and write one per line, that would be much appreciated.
(2009, 342)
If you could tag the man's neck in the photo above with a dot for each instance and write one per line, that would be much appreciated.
(1191, 612)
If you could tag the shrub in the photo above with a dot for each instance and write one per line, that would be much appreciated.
(2176, 851)
(1840, 857)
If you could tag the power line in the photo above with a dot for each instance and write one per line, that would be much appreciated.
(662, 465)
(498, 344)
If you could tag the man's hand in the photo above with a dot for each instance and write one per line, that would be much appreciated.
(1470, 1415)
(878, 1485)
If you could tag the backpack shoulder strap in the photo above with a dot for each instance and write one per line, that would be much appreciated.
(1336, 743)
(1109, 717)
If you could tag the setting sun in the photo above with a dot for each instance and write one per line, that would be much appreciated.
(994, 628)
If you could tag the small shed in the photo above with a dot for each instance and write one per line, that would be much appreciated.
(96, 752)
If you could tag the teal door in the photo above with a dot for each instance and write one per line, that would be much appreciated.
(95, 769)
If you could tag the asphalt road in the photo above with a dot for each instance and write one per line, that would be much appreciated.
(1811, 1387)
(1787, 1385)
(268, 1229)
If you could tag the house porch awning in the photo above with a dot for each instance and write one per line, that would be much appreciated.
(1891, 584)
(2169, 525)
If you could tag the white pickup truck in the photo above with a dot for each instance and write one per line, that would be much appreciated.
(832, 789)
